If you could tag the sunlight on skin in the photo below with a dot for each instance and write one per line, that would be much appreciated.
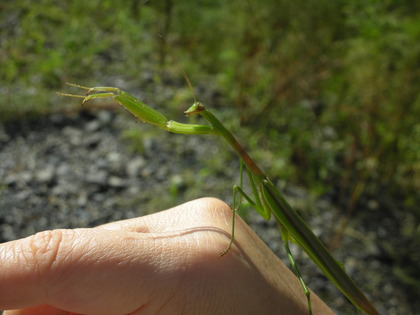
(164, 263)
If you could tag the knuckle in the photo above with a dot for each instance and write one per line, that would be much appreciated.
(44, 249)
(222, 207)
(220, 212)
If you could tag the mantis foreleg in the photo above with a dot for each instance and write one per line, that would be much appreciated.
(140, 110)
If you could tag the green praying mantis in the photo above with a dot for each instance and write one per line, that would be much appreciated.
(267, 199)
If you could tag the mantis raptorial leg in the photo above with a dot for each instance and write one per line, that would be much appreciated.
(268, 200)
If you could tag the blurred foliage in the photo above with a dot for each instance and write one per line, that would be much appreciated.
(326, 92)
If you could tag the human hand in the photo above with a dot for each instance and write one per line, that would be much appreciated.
(165, 263)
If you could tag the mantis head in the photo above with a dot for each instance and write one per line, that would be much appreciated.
(196, 108)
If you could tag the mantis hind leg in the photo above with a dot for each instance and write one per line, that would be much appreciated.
(285, 237)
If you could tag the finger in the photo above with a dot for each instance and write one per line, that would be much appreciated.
(81, 270)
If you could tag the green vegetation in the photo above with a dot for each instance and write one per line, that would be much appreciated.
(327, 91)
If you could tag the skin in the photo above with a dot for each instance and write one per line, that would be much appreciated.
(165, 263)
